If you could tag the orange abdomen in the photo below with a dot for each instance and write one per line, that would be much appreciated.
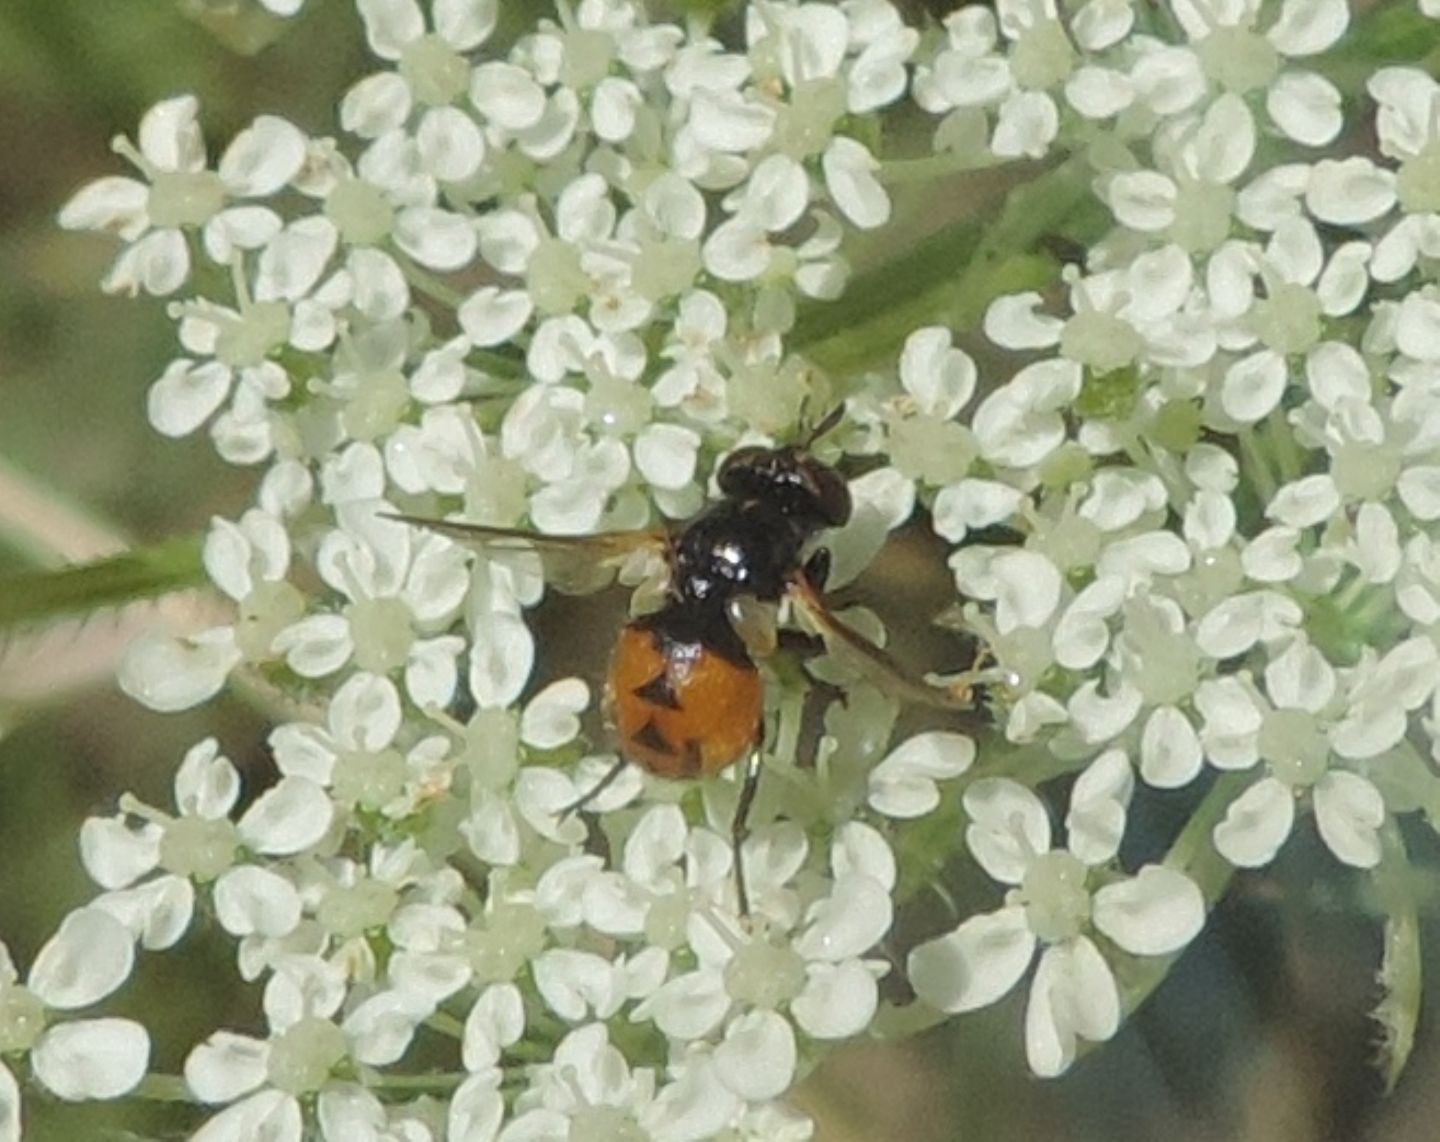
(680, 708)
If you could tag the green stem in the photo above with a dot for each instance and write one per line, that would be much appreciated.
(164, 1088)
(899, 172)
(446, 1025)
(1289, 458)
(438, 1084)
(431, 285)
(1194, 854)
(948, 278)
(1256, 466)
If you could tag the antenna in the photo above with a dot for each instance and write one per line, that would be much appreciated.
(829, 421)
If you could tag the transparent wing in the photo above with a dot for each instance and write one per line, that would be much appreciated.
(882, 668)
(574, 564)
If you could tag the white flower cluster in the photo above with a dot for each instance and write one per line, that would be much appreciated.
(550, 286)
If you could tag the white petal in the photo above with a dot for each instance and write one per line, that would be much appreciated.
(1349, 812)
(1095, 824)
(972, 503)
(381, 1028)
(266, 1116)
(1235, 625)
(186, 395)
(1074, 994)
(114, 854)
(1014, 321)
(112, 204)
(500, 660)
(170, 136)
(437, 239)
(1256, 824)
(90, 956)
(975, 964)
(1307, 27)
(850, 176)
(1143, 201)
(1419, 489)
(168, 673)
(206, 784)
(1349, 192)
(492, 316)
(10, 1118)
(940, 377)
(250, 900)
(226, 1066)
(263, 157)
(1300, 678)
(377, 105)
(1253, 385)
(496, 1021)
(756, 1059)
(450, 144)
(507, 95)
(1156, 912)
(688, 1006)
(390, 25)
(1009, 826)
(847, 923)
(1026, 124)
(315, 646)
(92, 1058)
(158, 263)
(1306, 107)
(477, 1110)
(551, 718)
(1170, 753)
(839, 1000)
(665, 455)
(365, 713)
(903, 785)
(156, 913)
(288, 818)
(465, 24)
(1027, 590)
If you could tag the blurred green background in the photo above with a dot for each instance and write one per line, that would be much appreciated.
(1261, 1033)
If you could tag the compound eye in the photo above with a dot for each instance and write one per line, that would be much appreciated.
(832, 494)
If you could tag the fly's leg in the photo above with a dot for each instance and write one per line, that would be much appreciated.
(595, 790)
(740, 829)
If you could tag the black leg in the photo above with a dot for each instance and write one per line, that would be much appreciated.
(598, 788)
(740, 828)
(817, 568)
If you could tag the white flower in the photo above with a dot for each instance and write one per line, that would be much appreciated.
(269, 1075)
(182, 194)
(1405, 124)
(79, 1059)
(1074, 994)
(816, 971)
(1308, 722)
(589, 1080)
(398, 581)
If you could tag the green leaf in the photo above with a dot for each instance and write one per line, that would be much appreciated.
(144, 573)
(1398, 1011)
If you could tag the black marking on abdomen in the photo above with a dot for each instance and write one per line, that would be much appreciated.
(650, 737)
(659, 691)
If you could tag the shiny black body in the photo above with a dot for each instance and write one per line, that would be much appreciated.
(752, 541)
